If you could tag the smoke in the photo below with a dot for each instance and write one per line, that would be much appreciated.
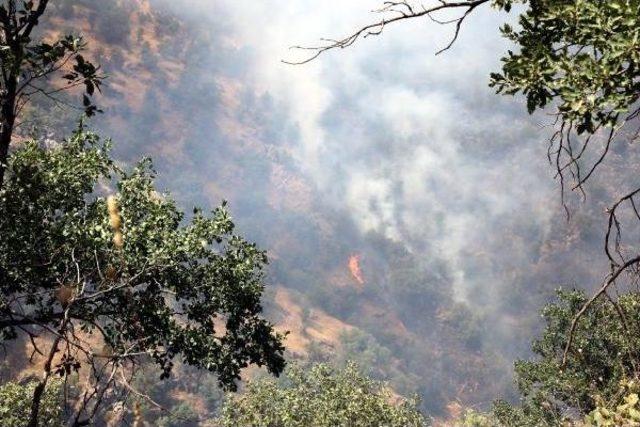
(383, 138)
(416, 147)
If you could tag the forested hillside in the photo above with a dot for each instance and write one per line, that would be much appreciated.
(182, 91)
(170, 95)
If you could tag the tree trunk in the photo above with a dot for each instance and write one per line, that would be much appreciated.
(35, 403)
(5, 141)
(7, 121)
(38, 392)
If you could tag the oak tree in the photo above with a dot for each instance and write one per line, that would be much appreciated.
(103, 273)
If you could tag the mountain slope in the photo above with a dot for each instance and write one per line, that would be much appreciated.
(182, 92)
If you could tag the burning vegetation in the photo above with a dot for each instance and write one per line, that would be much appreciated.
(354, 267)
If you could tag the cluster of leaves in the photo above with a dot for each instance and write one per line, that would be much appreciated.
(473, 418)
(605, 355)
(506, 5)
(43, 58)
(182, 415)
(320, 397)
(625, 414)
(583, 54)
(174, 288)
(15, 404)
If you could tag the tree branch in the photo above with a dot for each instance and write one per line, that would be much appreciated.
(574, 323)
(34, 16)
(402, 10)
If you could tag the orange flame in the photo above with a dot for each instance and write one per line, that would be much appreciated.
(354, 266)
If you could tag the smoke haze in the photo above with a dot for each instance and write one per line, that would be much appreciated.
(383, 150)
(414, 146)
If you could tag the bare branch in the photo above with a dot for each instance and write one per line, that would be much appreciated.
(612, 133)
(574, 323)
(400, 10)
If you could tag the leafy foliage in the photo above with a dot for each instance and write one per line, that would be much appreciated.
(627, 413)
(181, 415)
(603, 358)
(320, 397)
(162, 286)
(15, 404)
(583, 54)
(473, 418)
(29, 66)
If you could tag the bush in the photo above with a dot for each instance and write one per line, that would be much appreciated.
(320, 397)
(15, 404)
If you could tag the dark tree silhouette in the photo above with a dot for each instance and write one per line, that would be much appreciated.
(27, 66)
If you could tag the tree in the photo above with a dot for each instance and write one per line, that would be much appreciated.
(27, 66)
(604, 361)
(589, 68)
(579, 58)
(597, 387)
(121, 280)
(321, 397)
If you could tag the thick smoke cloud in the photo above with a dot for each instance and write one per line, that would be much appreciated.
(383, 137)
(414, 146)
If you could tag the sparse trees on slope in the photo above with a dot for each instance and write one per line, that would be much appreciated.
(102, 286)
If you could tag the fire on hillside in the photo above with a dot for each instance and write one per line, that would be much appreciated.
(354, 267)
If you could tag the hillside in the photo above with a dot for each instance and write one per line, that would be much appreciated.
(181, 91)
